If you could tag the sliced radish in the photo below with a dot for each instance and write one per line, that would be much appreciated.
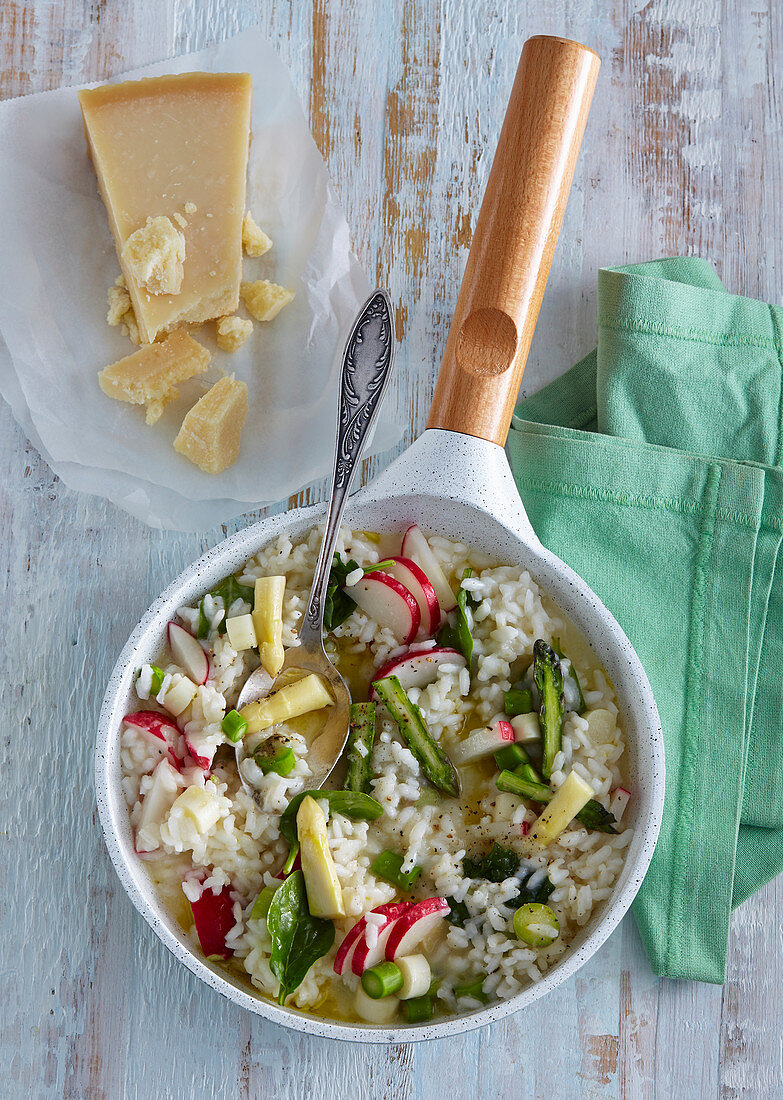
(620, 798)
(483, 742)
(343, 958)
(526, 727)
(201, 749)
(188, 654)
(413, 926)
(158, 728)
(416, 547)
(420, 668)
(407, 572)
(389, 603)
(213, 916)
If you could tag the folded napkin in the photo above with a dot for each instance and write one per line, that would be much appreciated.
(653, 467)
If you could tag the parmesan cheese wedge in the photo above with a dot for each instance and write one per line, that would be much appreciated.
(166, 146)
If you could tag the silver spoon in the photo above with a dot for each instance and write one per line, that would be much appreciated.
(367, 360)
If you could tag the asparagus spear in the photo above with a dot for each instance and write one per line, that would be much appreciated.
(435, 764)
(592, 816)
(549, 681)
(361, 736)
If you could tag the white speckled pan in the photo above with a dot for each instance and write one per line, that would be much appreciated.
(454, 481)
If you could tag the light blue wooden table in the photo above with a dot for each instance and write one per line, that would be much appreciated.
(683, 153)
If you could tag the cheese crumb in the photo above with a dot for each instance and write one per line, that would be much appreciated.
(150, 376)
(254, 239)
(232, 332)
(190, 208)
(154, 255)
(121, 309)
(211, 431)
(264, 300)
(181, 222)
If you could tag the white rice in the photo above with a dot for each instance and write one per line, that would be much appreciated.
(239, 844)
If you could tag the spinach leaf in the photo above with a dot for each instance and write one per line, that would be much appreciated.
(353, 804)
(458, 914)
(229, 590)
(594, 816)
(298, 939)
(498, 865)
(458, 636)
(338, 605)
(525, 896)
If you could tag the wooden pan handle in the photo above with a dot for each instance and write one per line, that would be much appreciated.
(515, 238)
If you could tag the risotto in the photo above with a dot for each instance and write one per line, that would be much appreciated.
(473, 827)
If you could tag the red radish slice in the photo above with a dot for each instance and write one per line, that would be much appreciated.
(202, 753)
(412, 927)
(407, 572)
(188, 654)
(389, 603)
(343, 958)
(483, 742)
(159, 728)
(415, 546)
(213, 916)
(620, 798)
(363, 956)
(420, 668)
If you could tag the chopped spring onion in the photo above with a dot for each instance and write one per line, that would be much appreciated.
(234, 726)
(419, 1010)
(511, 757)
(472, 989)
(536, 924)
(382, 980)
(518, 701)
(283, 761)
(416, 976)
(388, 866)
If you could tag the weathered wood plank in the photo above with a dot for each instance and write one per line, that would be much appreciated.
(406, 99)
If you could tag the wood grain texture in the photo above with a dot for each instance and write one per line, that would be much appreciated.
(406, 97)
(514, 239)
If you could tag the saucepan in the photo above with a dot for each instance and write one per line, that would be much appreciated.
(454, 480)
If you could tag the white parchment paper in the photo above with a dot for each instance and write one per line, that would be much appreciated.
(58, 260)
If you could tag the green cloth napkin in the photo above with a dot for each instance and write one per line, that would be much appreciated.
(653, 467)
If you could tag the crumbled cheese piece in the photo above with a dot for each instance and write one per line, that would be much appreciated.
(181, 221)
(264, 300)
(210, 432)
(190, 208)
(150, 376)
(232, 332)
(121, 309)
(254, 239)
(155, 254)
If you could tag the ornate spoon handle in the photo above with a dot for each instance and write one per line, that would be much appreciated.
(367, 361)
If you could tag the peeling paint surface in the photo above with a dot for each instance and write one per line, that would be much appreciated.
(406, 97)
